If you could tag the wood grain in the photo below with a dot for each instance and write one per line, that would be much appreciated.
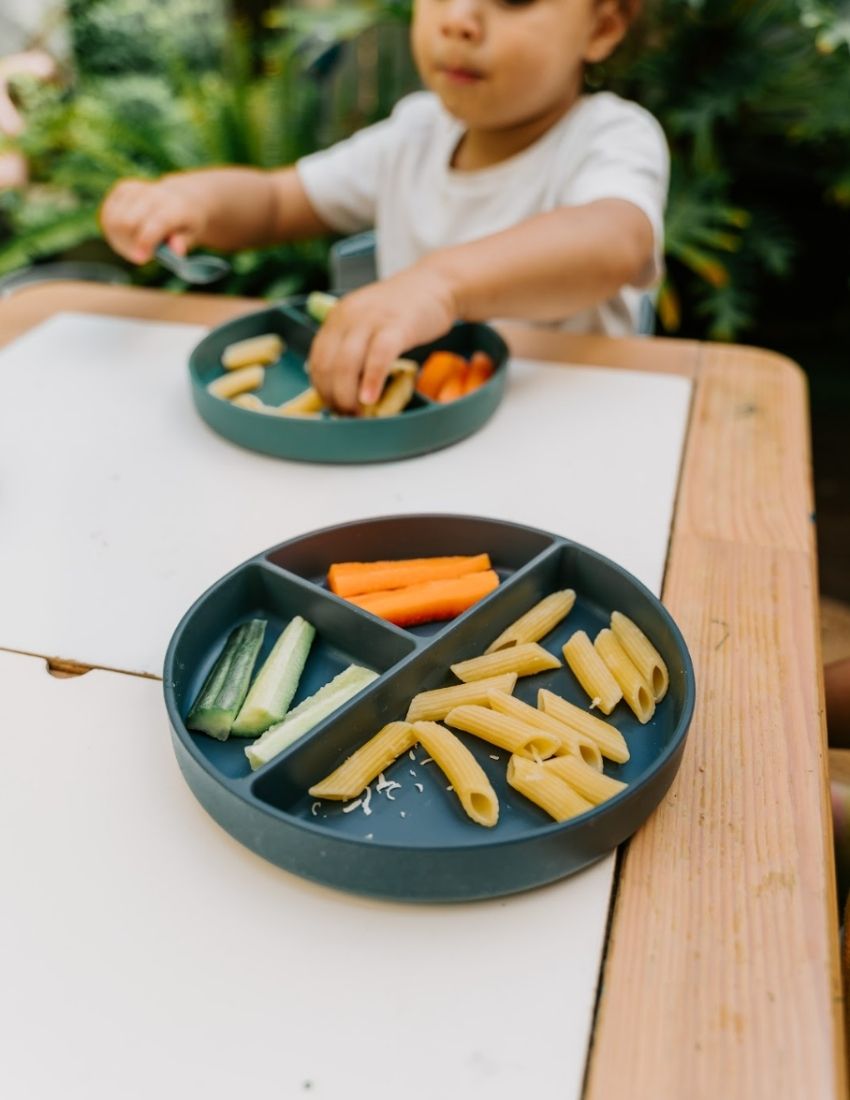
(724, 938)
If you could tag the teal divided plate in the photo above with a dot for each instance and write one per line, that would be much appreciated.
(413, 841)
(423, 426)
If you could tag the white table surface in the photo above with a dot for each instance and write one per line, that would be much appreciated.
(120, 506)
(145, 952)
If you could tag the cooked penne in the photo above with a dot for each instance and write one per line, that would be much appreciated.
(357, 772)
(397, 392)
(571, 740)
(256, 349)
(238, 381)
(587, 782)
(431, 706)
(611, 742)
(462, 770)
(642, 653)
(545, 789)
(524, 660)
(306, 403)
(591, 672)
(504, 731)
(636, 691)
(251, 401)
(536, 623)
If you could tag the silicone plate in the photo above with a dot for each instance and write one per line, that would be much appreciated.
(418, 845)
(423, 426)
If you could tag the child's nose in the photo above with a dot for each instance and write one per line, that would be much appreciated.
(461, 19)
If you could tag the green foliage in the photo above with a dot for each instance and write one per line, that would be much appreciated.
(753, 99)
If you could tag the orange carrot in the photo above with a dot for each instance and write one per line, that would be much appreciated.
(436, 369)
(429, 602)
(353, 578)
(480, 369)
(454, 386)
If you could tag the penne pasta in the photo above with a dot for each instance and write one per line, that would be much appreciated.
(611, 742)
(238, 381)
(306, 403)
(250, 401)
(545, 789)
(572, 741)
(256, 349)
(504, 731)
(536, 623)
(587, 782)
(431, 706)
(591, 672)
(462, 770)
(397, 391)
(642, 653)
(358, 770)
(524, 660)
(636, 691)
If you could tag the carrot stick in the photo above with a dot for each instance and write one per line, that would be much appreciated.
(480, 369)
(437, 368)
(429, 602)
(353, 578)
(454, 386)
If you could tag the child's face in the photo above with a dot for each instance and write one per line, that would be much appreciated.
(496, 64)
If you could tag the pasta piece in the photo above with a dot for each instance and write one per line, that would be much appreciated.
(504, 731)
(251, 401)
(537, 622)
(587, 782)
(545, 789)
(592, 672)
(364, 765)
(397, 391)
(572, 741)
(431, 706)
(256, 349)
(524, 660)
(611, 742)
(306, 403)
(636, 691)
(462, 770)
(642, 653)
(238, 381)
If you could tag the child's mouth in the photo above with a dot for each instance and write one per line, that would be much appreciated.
(460, 75)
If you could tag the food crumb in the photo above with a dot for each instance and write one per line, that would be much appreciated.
(495, 756)
(419, 787)
(315, 808)
(427, 760)
(369, 836)
(412, 772)
(449, 788)
(352, 805)
(402, 813)
(412, 754)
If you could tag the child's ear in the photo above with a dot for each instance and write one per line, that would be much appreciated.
(611, 24)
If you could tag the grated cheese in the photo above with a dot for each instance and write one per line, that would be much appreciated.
(427, 760)
(419, 787)
(411, 754)
(402, 813)
(314, 808)
(367, 798)
(352, 805)
(392, 787)
(494, 756)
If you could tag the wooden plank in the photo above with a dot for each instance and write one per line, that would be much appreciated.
(724, 940)
(33, 304)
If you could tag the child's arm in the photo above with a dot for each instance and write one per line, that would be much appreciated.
(222, 208)
(550, 266)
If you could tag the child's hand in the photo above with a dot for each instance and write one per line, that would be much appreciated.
(137, 215)
(370, 328)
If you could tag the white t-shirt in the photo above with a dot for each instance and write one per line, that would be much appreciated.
(396, 176)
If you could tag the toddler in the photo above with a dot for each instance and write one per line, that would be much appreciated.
(501, 191)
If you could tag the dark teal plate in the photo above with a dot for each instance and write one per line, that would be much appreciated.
(423, 426)
(418, 845)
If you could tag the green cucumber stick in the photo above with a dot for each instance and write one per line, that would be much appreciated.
(271, 693)
(225, 688)
(309, 713)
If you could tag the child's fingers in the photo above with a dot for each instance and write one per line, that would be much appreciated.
(155, 226)
(385, 347)
(348, 367)
(320, 364)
